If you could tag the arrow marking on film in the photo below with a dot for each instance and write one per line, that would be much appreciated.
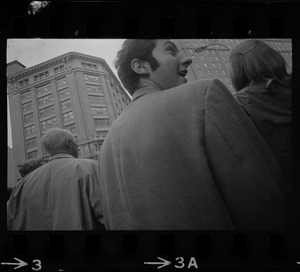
(19, 264)
(162, 264)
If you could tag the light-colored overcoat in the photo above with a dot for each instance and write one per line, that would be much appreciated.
(63, 194)
(189, 158)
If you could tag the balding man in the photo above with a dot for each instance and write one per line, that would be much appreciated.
(60, 195)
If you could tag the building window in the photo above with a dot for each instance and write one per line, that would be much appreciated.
(68, 116)
(24, 82)
(41, 76)
(71, 128)
(89, 66)
(27, 106)
(94, 89)
(65, 104)
(102, 133)
(45, 100)
(25, 95)
(101, 123)
(32, 154)
(59, 69)
(31, 143)
(43, 89)
(28, 118)
(99, 110)
(30, 130)
(61, 82)
(91, 77)
(48, 123)
(47, 111)
(64, 93)
(96, 99)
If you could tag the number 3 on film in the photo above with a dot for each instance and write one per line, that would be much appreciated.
(37, 264)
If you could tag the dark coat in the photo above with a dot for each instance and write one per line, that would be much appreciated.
(271, 113)
(189, 158)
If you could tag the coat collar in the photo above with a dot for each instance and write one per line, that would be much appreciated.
(60, 156)
(143, 91)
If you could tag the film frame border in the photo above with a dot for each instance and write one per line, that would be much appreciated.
(70, 250)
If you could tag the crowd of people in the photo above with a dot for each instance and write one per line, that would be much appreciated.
(182, 155)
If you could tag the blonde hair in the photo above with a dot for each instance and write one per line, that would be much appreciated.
(254, 61)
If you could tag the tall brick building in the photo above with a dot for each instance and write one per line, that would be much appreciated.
(73, 91)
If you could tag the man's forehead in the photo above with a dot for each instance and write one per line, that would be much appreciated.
(165, 43)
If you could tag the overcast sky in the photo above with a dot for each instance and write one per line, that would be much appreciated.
(34, 51)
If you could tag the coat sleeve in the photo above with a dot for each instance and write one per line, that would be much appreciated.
(248, 177)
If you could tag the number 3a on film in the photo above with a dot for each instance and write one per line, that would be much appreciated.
(180, 263)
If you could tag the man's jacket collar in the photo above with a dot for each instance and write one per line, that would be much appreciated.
(143, 91)
(60, 156)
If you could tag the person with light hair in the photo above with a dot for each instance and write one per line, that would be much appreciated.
(264, 90)
(63, 194)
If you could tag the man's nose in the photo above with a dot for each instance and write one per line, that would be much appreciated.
(186, 61)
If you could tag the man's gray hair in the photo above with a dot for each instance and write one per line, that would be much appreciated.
(55, 139)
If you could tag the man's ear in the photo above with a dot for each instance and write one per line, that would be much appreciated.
(141, 67)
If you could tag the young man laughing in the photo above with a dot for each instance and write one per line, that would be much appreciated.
(184, 156)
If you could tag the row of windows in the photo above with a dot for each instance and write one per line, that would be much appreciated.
(47, 111)
(43, 89)
(64, 93)
(25, 95)
(89, 65)
(41, 76)
(31, 143)
(96, 99)
(24, 82)
(71, 128)
(32, 154)
(91, 77)
(68, 116)
(28, 118)
(49, 123)
(102, 133)
(59, 68)
(45, 100)
(94, 89)
(99, 110)
(61, 82)
(100, 123)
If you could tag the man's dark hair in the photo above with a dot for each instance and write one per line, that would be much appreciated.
(134, 49)
(30, 165)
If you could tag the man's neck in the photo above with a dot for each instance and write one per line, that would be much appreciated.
(146, 83)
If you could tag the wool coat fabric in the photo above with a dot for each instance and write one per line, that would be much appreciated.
(271, 113)
(189, 158)
(63, 194)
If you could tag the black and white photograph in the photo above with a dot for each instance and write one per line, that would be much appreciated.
(141, 134)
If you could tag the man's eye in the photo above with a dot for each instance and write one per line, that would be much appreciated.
(170, 49)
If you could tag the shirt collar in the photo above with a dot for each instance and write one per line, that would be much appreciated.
(143, 91)
(60, 156)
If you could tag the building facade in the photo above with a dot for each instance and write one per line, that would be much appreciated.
(73, 91)
(212, 62)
